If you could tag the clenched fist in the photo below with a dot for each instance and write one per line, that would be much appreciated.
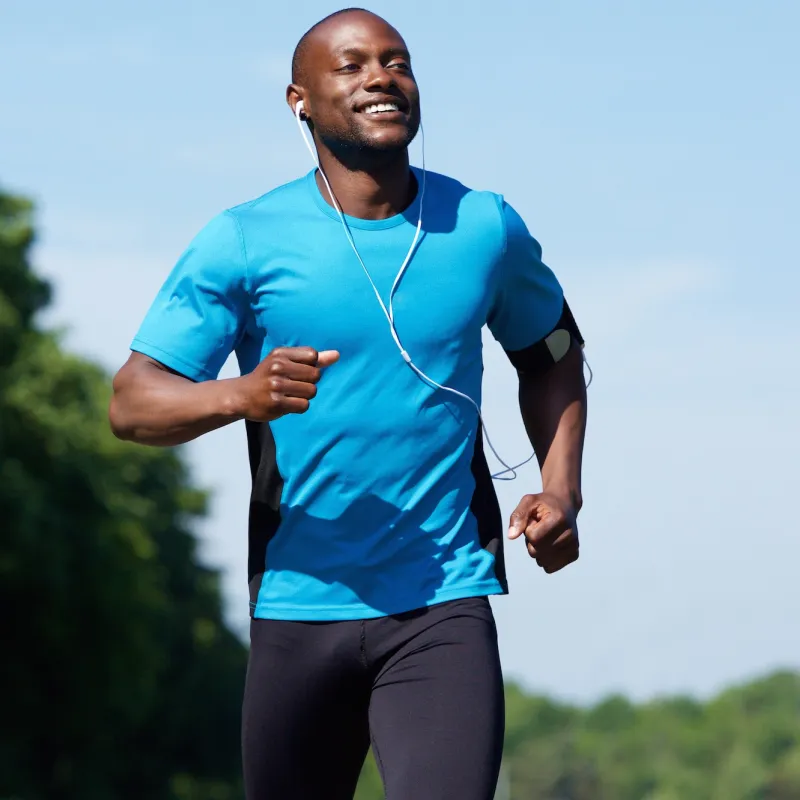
(285, 382)
(550, 530)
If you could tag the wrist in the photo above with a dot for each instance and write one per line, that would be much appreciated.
(568, 493)
(231, 400)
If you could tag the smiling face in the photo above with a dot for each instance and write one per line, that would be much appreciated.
(354, 76)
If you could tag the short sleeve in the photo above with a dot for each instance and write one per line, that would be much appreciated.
(201, 311)
(528, 299)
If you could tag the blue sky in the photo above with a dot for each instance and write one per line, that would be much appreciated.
(651, 148)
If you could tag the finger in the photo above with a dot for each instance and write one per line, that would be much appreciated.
(545, 552)
(520, 517)
(297, 372)
(288, 388)
(327, 357)
(558, 564)
(567, 540)
(290, 405)
(300, 355)
(547, 529)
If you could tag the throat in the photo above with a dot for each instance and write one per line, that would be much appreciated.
(372, 194)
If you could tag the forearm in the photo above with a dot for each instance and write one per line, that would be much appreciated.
(155, 407)
(553, 409)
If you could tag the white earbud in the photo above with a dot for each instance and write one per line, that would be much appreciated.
(298, 109)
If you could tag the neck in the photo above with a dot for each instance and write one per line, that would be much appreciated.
(376, 190)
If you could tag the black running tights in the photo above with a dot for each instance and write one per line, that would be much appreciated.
(423, 688)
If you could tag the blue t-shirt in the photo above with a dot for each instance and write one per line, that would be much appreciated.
(377, 500)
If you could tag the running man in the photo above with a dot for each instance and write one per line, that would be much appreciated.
(375, 536)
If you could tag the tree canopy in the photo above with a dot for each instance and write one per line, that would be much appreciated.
(122, 680)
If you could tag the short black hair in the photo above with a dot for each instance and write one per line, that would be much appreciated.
(302, 45)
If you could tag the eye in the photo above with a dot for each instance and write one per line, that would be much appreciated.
(348, 68)
(401, 65)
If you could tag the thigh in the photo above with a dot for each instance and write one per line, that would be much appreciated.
(437, 711)
(305, 727)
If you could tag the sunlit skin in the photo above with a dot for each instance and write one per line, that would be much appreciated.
(350, 63)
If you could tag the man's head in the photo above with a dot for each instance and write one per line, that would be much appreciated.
(353, 73)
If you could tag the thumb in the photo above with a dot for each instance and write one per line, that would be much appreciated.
(327, 357)
(519, 521)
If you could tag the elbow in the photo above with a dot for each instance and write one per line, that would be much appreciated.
(118, 418)
(118, 422)
(567, 372)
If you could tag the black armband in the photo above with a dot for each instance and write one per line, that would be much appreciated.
(540, 356)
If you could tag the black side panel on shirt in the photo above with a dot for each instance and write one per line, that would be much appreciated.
(486, 509)
(265, 504)
(265, 501)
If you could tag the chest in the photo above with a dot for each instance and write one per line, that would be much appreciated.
(315, 290)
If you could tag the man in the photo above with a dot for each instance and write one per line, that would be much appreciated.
(375, 533)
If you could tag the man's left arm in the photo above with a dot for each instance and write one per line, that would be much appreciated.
(553, 405)
(532, 320)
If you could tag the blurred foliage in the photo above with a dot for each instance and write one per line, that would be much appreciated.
(742, 745)
(121, 680)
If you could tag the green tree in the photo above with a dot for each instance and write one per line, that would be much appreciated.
(121, 679)
(785, 780)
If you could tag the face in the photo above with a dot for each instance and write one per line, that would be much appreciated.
(358, 88)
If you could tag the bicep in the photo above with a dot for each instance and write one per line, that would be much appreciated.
(142, 369)
(199, 314)
(529, 317)
(527, 299)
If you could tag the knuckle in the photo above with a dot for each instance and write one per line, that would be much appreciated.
(275, 384)
(276, 366)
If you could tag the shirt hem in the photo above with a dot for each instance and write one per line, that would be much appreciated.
(360, 611)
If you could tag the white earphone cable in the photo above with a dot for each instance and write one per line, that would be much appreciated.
(509, 471)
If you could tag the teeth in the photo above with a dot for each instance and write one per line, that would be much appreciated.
(379, 107)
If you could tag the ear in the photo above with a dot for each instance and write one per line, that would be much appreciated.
(294, 95)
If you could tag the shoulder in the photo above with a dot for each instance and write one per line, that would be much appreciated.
(479, 210)
(280, 201)
(444, 185)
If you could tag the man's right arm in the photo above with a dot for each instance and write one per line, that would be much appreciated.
(154, 405)
(167, 393)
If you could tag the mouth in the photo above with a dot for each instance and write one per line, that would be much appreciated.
(389, 109)
(382, 108)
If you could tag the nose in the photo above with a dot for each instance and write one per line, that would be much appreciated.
(379, 77)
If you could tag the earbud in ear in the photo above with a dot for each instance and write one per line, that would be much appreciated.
(298, 110)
